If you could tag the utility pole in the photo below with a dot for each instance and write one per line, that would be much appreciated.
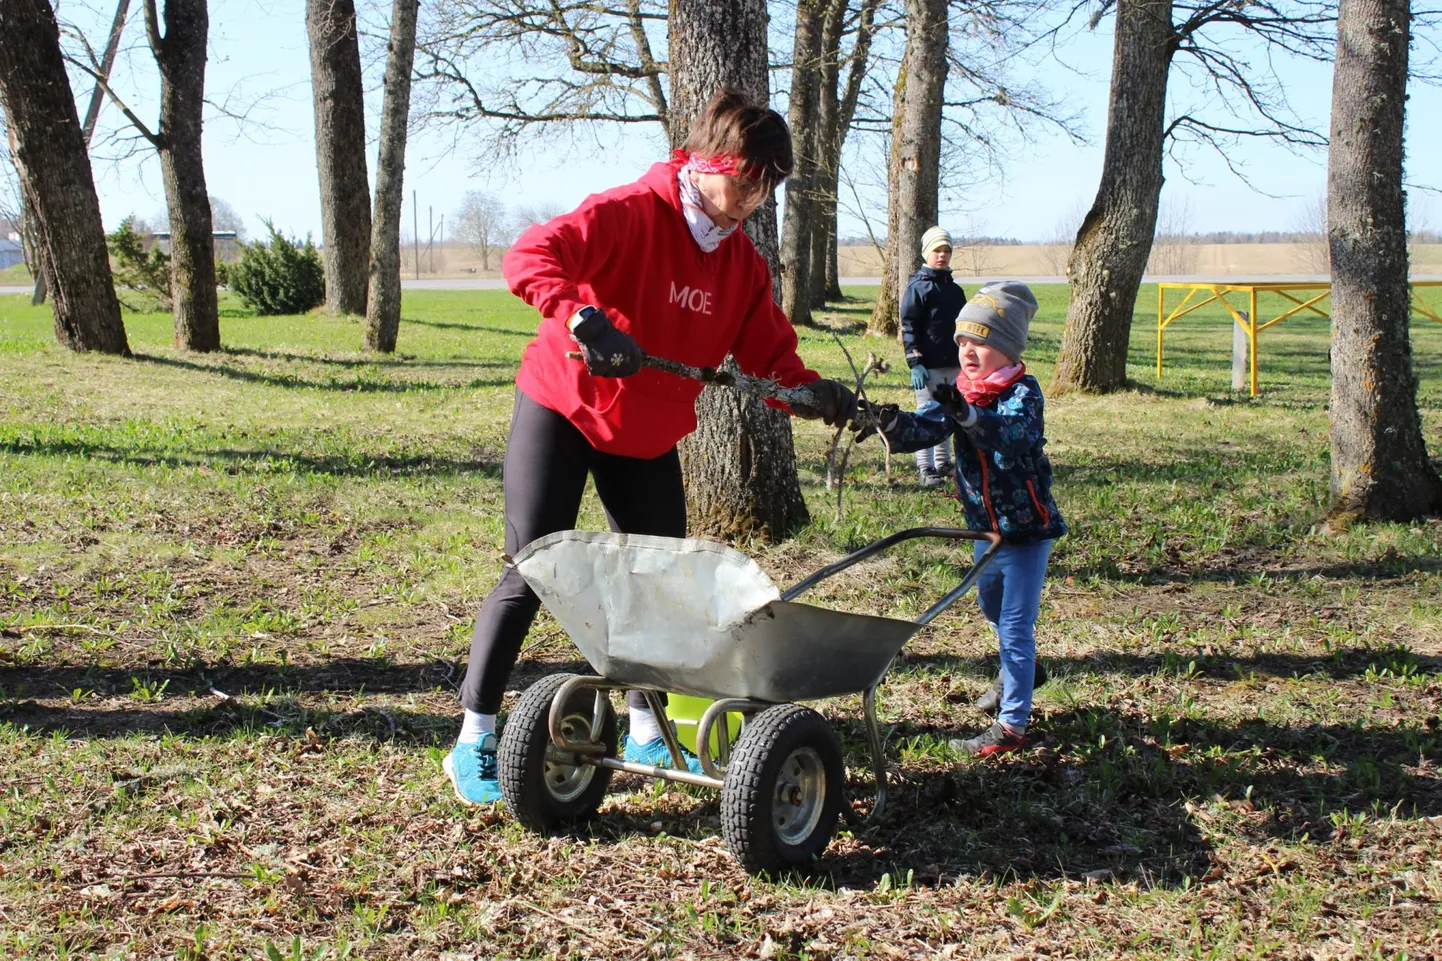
(416, 231)
(431, 237)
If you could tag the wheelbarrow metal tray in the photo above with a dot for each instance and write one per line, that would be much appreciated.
(695, 617)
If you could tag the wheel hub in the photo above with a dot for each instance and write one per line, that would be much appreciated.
(800, 795)
(565, 778)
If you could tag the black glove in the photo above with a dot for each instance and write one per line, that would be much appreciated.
(835, 403)
(951, 402)
(871, 418)
(608, 352)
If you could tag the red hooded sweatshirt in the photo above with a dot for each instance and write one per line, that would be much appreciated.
(629, 252)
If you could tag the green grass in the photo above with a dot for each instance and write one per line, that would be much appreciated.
(235, 599)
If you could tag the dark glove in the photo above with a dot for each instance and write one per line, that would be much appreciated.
(835, 403)
(918, 377)
(608, 352)
(951, 402)
(871, 418)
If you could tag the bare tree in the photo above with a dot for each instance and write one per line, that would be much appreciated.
(481, 222)
(1309, 248)
(180, 54)
(570, 63)
(338, 95)
(383, 307)
(1174, 249)
(740, 464)
(48, 150)
(1380, 469)
(541, 213)
(799, 220)
(1114, 242)
(918, 151)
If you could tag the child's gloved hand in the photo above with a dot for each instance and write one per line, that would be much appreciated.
(918, 377)
(871, 418)
(951, 402)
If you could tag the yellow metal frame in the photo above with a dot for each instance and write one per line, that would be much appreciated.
(1304, 296)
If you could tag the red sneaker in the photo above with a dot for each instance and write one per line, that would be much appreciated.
(996, 739)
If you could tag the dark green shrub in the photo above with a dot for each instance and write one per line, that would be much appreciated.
(136, 272)
(279, 277)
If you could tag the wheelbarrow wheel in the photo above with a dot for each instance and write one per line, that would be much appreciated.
(544, 787)
(783, 790)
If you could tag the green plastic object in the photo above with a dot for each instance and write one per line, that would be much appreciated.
(685, 713)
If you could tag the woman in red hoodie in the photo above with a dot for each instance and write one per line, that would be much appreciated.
(658, 267)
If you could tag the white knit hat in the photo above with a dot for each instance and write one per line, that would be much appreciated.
(934, 238)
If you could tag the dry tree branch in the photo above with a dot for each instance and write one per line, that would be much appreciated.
(837, 471)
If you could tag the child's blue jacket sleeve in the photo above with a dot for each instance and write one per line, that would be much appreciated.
(1014, 427)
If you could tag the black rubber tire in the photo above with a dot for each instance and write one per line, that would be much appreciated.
(546, 796)
(768, 833)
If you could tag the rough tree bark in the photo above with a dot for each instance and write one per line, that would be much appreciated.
(1380, 469)
(49, 152)
(740, 465)
(1115, 238)
(919, 149)
(800, 218)
(338, 92)
(180, 54)
(383, 308)
(826, 148)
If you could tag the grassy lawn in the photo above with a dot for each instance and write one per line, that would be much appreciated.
(235, 601)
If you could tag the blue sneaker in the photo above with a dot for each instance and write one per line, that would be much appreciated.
(655, 753)
(472, 770)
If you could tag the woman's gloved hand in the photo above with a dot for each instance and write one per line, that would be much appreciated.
(608, 352)
(835, 403)
(918, 377)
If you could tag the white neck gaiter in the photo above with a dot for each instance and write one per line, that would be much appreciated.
(704, 231)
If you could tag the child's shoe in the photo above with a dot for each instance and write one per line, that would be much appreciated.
(997, 739)
(929, 479)
(655, 753)
(990, 702)
(472, 770)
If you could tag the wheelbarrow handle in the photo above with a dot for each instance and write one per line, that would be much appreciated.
(891, 540)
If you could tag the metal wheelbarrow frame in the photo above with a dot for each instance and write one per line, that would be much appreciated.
(560, 744)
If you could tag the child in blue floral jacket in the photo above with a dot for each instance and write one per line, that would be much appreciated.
(1002, 473)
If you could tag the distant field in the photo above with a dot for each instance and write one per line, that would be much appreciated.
(1216, 260)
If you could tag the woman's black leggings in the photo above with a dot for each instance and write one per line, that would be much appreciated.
(547, 461)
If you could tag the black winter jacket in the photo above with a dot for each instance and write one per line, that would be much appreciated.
(928, 318)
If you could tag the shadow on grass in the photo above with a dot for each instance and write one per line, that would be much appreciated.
(401, 361)
(292, 381)
(473, 328)
(234, 698)
(263, 461)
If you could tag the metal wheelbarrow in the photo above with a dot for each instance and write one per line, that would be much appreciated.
(662, 614)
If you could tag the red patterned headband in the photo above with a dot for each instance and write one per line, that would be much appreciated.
(719, 164)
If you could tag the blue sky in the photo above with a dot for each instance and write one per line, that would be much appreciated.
(259, 46)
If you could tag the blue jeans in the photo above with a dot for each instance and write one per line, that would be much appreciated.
(1009, 593)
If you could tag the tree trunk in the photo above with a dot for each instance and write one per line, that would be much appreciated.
(1115, 239)
(919, 149)
(338, 93)
(181, 58)
(1379, 457)
(846, 109)
(885, 313)
(798, 223)
(826, 148)
(49, 153)
(383, 309)
(740, 465)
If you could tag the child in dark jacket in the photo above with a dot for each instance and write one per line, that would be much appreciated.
(1004, 478)
(928, 329)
